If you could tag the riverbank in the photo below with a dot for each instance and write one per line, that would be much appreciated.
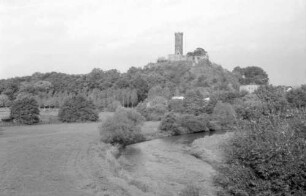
(170, 165)
(208, 149)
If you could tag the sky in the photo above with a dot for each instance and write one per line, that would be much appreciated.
(75, 36)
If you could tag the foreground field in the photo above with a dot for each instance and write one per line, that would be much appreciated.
(46, 159)
(62, 159)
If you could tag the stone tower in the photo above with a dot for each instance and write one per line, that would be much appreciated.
(178, 43)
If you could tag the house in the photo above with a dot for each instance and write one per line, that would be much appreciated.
(249, 88)
(178, 98)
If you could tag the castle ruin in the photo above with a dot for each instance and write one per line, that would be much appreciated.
(178, 48)
(178, 55)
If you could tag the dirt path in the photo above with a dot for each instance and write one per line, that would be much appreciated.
(48, 160)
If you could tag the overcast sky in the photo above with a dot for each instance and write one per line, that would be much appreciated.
(75, 36)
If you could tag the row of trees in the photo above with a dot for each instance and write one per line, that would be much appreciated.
(25, 110)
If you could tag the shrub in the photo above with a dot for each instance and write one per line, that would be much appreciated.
(176, 124)
(170, 124)
(176, 105)
(25, 111)
(122, 128)
(297, 97)
(266, 158)
(113, 106)
(273, 99)
(193, 124)
(194, 102)
(78, 109)
(135, 117)
(154, 108)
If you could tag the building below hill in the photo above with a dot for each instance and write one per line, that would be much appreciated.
(249, 88)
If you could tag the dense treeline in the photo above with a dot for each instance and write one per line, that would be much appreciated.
(106, 88)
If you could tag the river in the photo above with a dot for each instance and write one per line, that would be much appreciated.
(165, 166)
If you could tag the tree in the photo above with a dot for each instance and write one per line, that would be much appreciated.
(11, 89)
(4, 100)
(194, 102)
(297, 97)
(141, 85)
(123, 128)
(251, 75)
(78, 109)
(224, 114)
(170, 124)
(153, 108)
(272, 98)
(197, 52)
(25, 111)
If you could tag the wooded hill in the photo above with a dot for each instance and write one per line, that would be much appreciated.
(130, 88)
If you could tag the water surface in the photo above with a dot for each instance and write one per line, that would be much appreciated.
(166, 166)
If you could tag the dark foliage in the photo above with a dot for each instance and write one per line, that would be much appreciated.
(194, 102)
(197, 52)
(273, 99)
(297, 97)
(176, 105)
(78, 109)
(177, 124)
(251, 75)
(153, 109)
(170, 124)
(25, 111)
(194, 124)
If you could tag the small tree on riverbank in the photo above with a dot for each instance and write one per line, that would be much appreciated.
(123, 128)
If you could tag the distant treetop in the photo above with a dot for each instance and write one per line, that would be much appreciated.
(197, 52)
(251, 75)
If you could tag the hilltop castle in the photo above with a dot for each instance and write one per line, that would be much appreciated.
(178, 55)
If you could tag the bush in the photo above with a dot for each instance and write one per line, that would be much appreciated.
(266, 158)
(193, 124)
(113, 106)
(78, 109)
(123, 128)
(131, 114)
(186, 123)
(297, 97)
(176, 105)
(170, 124)
(25, 111)
(154, 108)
